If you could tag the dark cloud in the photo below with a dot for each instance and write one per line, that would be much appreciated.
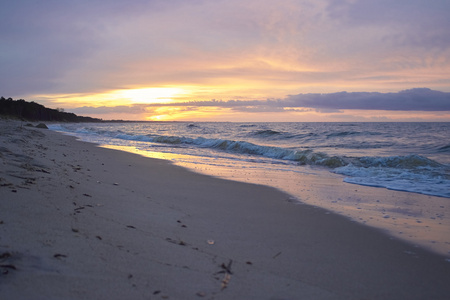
(419, 99)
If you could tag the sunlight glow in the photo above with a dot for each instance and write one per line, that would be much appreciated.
(151, 95)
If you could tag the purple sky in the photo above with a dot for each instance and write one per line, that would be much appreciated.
(275, 60)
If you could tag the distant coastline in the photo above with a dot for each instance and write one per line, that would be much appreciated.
(32, 111)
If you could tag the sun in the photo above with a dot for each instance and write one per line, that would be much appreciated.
(151, 95)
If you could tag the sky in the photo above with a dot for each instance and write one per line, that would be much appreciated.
(230, 60)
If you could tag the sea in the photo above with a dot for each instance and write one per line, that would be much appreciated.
(392, 176)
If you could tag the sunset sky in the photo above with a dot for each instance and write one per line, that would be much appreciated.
(230, 60)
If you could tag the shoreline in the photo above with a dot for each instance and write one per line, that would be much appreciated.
(80, 221)
(415, 218)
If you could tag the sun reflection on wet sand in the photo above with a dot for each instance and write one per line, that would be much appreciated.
(416, 218)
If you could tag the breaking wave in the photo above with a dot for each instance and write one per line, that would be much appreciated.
(414, 173)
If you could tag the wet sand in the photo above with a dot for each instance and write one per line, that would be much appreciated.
(421, 220)
(82, 222)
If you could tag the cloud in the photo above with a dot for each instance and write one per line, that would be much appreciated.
(418, 99)
(410, 23)
(42, 42)
(106, 110)
(93, 46)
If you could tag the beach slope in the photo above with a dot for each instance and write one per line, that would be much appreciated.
(82, 222)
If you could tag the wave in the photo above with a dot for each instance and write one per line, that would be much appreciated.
(398, 162)
(351, 133)
(266, 133)
(425, 181)
(303, 157)
(414, 173)
(444, 149)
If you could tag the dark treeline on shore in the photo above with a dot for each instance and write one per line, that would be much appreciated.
(32, 111)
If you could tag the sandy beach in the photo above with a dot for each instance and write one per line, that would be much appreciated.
(82, 222)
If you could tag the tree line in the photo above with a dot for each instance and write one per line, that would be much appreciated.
(32, 111)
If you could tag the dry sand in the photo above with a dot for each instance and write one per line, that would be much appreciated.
(82, 222)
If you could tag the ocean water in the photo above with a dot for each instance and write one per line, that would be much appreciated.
(403, 157)
(412, 157)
